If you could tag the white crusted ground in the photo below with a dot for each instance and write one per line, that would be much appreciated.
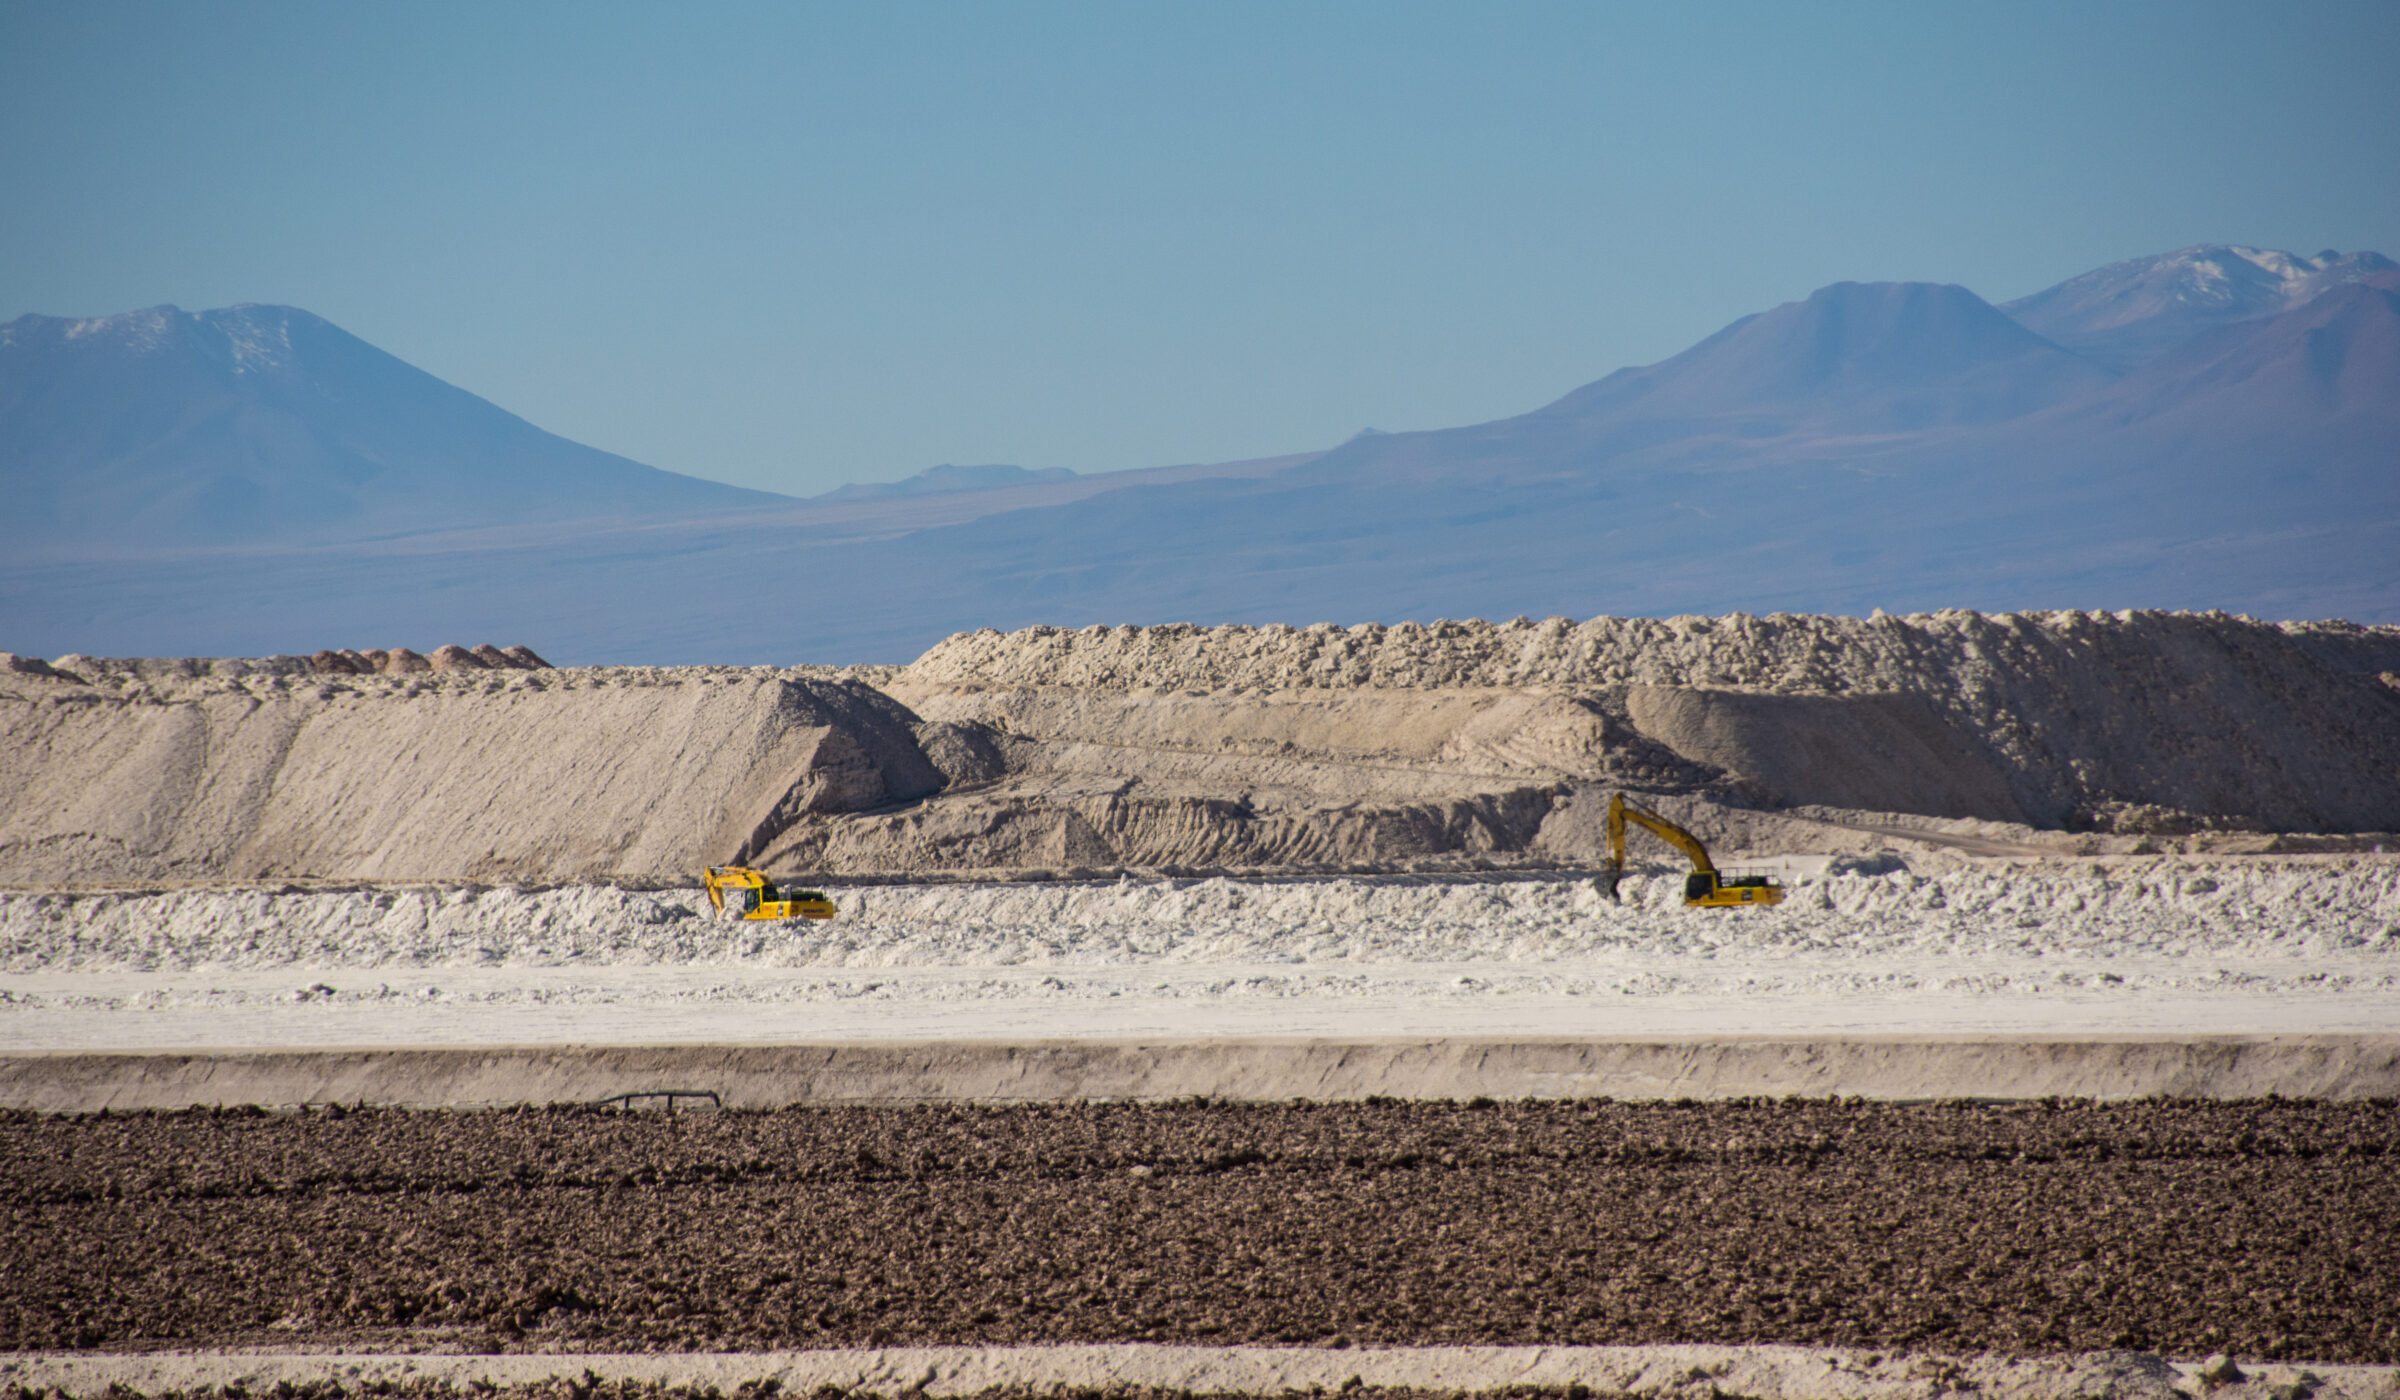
(2148, 945)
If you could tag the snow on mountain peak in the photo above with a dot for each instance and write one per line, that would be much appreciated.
(2223, 273)
(2220, 275)
(246, 339)
(2288, 266)
(146, 329)
(256, 337)
(2126, 312)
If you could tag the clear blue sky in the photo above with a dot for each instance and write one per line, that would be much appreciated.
(793, 245)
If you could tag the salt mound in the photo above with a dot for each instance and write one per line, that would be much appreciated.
(2123, 721)
(1182, 750)
(468, 775)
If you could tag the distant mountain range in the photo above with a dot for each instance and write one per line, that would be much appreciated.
(2215, 427)
(266, 425)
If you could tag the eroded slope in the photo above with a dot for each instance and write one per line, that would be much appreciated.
(537, 776)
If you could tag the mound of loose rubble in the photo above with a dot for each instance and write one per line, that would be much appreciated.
(1185, 749)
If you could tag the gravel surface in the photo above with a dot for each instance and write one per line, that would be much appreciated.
(2267, 1228)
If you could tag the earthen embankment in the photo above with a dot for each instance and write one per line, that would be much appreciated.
(1192, 749)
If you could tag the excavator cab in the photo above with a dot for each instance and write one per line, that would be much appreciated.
(1706, 887)
(751, 895)
(1715, 891)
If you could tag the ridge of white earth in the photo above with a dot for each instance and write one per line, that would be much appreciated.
(2133, 945)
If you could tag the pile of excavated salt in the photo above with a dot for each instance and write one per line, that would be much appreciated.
(1188, 750)
(2081, 716)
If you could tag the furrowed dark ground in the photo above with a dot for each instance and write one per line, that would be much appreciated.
(2270, 1228)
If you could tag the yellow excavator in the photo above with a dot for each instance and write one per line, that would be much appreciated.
(1705, 887)
(756, 897)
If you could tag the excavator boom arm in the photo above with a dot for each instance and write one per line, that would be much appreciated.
(1621, 811)
(1704, 886)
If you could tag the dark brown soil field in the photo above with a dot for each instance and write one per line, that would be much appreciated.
(2268, 1228)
